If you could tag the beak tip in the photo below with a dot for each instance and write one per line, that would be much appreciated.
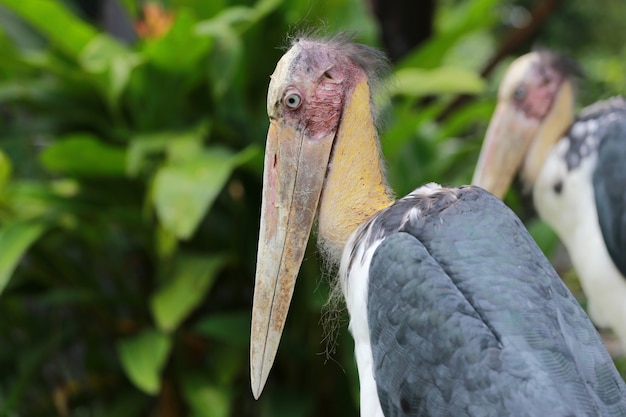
(257, 386)
(255, 393)
(258, 375)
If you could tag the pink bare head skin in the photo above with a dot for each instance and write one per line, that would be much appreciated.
(322, 73)
(535, 106)
(534, 93)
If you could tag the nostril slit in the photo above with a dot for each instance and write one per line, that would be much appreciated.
(275, 160)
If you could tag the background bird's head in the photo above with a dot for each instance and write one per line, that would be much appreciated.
(535, 107)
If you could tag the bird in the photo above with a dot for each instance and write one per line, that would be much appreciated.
(575, 168)
(454, 310)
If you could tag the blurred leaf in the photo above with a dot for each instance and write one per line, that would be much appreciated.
(188, 144)
(141, 147)
(179, 145)
(165, 242)
(34, 199)
(100, 51)
(167, 52)
(53, 20)
(264, 7)
(461, 20)
(15, 34)
(471, 51)
(477, 113)
(185, 290)
(228, 362)
(237, 17)
(227, 53)
(227, 28)
(108, 58)
(223, 22)
(143, 357)
(183, 193)
(203, 9)
(443, 80)
(225, 61)
(406, 122)
(5, 169)
(205, 398)
(232, 328)
(85, 155)
(15, 238)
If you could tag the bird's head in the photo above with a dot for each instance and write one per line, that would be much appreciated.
(319, 97)
(535, 107)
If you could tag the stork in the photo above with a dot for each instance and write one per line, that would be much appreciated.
(575, 168)
(453, 308)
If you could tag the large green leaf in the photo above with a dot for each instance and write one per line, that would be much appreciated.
(54, 21)
(184, 192)
(417, 82)
(15, 238)
(85, 155)
(185, 290)
(143, 357)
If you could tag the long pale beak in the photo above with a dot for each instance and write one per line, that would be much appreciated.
(295, 168)
(508, 138)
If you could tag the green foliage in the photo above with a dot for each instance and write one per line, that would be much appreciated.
(130, 179)
(15, 238)
(143, 356)
(443, 80)
(193, 278)
(129, 197)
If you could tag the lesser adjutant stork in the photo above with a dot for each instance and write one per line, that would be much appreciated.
(453, 308)
(575, 168)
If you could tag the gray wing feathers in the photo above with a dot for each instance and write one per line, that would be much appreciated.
(468, 318)
(609, 184)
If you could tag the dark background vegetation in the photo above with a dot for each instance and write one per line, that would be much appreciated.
(131, 141)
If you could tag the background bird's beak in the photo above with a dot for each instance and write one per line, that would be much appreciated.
(508, 138)
(295, 168)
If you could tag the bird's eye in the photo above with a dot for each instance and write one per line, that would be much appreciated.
(519, 93)
(292, 100)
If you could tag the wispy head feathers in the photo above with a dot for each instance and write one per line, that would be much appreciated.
(372, 61)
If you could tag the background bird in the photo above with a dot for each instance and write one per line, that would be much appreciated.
(576, 170)
(453, 308)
